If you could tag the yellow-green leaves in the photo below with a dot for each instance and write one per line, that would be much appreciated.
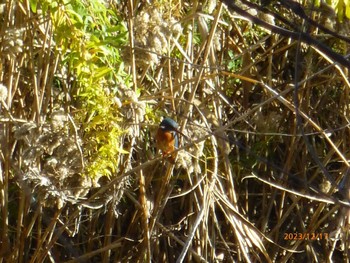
(90, 36)
(340, 7)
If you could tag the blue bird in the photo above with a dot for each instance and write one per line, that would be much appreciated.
(167, 139)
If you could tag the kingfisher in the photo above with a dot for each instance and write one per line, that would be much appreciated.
(167, 139)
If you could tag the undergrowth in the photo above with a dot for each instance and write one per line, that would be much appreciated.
(261, 176)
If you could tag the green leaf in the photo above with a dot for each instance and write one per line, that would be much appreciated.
(101, 72)
(347, 8)
(122, 151)
(76, 15)
(33, 5)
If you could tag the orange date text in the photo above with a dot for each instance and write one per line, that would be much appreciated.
(305, 236)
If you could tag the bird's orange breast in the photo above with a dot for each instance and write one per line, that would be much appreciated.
(165, 141)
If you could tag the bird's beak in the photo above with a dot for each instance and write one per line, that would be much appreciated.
(182, 134)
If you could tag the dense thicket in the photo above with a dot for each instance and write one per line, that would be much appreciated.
(260, 89)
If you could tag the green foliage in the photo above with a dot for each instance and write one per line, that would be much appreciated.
(234, 64)
(89, 35)
(341, 7)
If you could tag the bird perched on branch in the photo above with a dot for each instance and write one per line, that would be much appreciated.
(167, 139)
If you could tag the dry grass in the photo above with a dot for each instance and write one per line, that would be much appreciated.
(265, 169)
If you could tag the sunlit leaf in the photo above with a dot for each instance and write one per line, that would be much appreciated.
(122, 151)
(33, 5)
(102, 72)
